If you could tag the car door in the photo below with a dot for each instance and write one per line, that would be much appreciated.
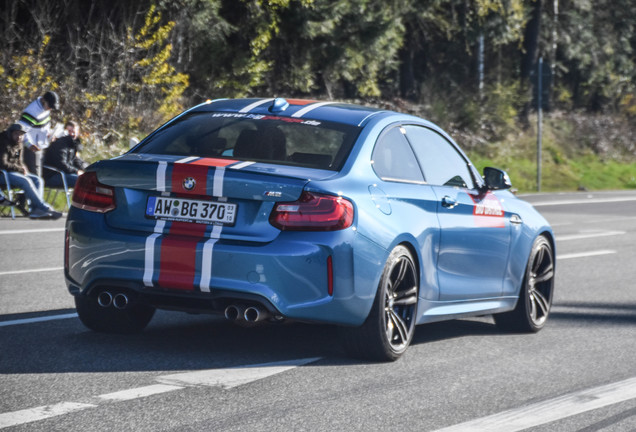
(475, 234)
(405, 205)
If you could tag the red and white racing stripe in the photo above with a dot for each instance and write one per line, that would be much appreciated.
(178, 255)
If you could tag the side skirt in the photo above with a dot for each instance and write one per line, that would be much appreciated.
(430, 311)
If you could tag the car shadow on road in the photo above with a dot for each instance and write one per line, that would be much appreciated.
(597, 312)
(443, 330)
(177, 341)
(172, 341)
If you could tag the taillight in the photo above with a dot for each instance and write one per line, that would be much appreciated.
(89, 194)
(313, 212)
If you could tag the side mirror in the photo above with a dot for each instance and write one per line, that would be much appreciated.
(496, 179)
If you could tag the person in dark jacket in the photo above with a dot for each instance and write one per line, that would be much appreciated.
(62, 156)
(19, 176)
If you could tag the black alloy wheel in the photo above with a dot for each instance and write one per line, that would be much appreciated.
(535, 296)
(389, 328)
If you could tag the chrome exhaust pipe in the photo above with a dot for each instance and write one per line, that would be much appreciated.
(104, 299)
(254, 314)
(120, 301)
(234, 312)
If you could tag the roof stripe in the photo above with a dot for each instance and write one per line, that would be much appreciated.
(301, 101)
(188, 159)
(309, 108)
(242, 165)
(251, 106)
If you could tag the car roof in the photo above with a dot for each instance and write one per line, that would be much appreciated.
(339, 112)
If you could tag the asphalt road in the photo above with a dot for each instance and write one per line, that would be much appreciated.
(199, 373)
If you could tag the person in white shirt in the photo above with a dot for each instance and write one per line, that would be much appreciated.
(36, 119)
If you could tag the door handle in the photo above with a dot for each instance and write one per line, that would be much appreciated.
(449, 202)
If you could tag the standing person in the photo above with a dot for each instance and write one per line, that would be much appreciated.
(62, 155)
(19, 177)
(36, 119)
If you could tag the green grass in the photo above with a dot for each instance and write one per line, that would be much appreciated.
(571, 159)
(582, 173)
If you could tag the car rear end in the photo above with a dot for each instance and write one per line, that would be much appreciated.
(212, 213)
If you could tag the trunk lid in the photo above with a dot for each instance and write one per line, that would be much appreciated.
(253, 187)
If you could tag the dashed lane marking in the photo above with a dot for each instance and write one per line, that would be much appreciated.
(14, 272)
(31, 231)
(232, 377)
(583, 201)
(585, 254)
(139, 392)
(227, 378)
(551, 410)
(37, 319)
(40, 413)
(584, 235)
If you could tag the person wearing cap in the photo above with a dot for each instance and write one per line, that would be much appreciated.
(36, 118)
(19, 177)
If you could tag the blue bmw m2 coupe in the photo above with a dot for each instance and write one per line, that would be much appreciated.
(323, 212)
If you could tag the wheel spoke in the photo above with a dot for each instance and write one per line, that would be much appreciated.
(538, 260)
(533, 307)
(403, 266)
(546, 275)
(400, 326)
(541, 301)
(405, 298)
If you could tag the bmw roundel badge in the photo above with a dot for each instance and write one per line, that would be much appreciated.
(189, 183)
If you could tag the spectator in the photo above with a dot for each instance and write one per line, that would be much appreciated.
(19, 177)
(36, 119)
(62, 155)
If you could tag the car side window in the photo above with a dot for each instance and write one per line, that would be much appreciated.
(442, 164)
(393, 158)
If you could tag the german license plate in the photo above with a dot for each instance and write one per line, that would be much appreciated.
(189, 210)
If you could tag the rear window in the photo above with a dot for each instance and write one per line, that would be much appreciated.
(262, 138)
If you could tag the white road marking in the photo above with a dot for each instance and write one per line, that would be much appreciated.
(581, 236)
(233, 377)
(225, 378)
(138, 392)
(31, 231)
(541, 413)
(585, 254)
(37, 319)
(40, 413)
(583, 201)
(12, 272)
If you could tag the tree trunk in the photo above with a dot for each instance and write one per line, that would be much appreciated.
(530, 53)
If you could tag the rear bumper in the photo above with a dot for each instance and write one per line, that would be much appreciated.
(288, 276)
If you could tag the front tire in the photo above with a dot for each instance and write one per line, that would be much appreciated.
(133, 319)
(535, 296)
(389, 328)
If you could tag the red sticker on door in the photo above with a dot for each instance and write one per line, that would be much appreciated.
(488, 211)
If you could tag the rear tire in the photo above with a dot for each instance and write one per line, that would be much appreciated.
(132, 319)
(535, 296)
(389, 328)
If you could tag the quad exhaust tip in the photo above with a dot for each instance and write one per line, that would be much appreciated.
(245, 314)
(106, 299)
(234, 312)
(120, 301)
